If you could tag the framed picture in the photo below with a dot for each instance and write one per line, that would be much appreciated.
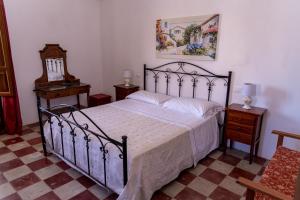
(188, 37)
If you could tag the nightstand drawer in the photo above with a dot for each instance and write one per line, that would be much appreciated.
(240, 127)
(242, 118)
(233, 135)
(237, 136)
(245, 138)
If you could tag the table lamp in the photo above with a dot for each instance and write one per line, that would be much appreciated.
(127, 77)
(249, 90)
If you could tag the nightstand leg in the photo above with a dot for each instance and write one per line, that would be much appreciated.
(88, 98)
(256, 148)
(78, 101)
(258, 139)
(224, 145)
(48, 104)
(251, 154)
(230, 144)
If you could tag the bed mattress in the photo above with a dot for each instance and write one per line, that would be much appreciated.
(161, 143)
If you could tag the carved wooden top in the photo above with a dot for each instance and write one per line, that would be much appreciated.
(54, 61)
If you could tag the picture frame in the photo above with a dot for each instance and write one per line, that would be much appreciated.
(188, 37)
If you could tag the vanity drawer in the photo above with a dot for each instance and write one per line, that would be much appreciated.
(67, 92)
(245, 138)
(81, 90)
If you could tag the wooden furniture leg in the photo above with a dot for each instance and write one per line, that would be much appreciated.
(251, 154)
(48, 104)
(38, 102)
(257, 142)
(256, 148)
(78, 101)
(250, 194)
(224, 145)
(88, 98)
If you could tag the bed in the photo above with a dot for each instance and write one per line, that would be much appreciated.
(131, 147)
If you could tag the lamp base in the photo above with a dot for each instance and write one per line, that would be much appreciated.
(127, 82)
(247, 107)
(247, 102)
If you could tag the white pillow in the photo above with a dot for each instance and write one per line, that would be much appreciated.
(198, 107)
(149, 97)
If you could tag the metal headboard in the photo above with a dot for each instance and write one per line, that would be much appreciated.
(195, 74)
(180, 71)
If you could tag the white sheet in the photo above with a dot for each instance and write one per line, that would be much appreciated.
(204, 132)
(161, 143)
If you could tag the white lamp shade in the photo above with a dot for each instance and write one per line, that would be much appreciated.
(249, 89)
(126, 73)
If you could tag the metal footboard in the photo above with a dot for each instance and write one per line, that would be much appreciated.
(69, 125)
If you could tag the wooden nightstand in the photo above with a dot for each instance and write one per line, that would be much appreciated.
(122, 91)
(244, 126)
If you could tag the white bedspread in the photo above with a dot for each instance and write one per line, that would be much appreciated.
(161, 143)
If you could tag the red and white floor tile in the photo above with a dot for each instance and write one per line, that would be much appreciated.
(26, 174)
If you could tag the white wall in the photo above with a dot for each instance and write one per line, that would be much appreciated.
(74, 24)
(259, 41)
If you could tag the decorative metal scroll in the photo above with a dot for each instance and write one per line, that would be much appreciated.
(68, 124)
(195, 73)
(181, 73)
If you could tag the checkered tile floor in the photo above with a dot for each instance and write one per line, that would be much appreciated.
(26, 174)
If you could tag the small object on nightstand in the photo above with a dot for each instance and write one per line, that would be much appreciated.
(127, 77)
(99, 99)
(249, 90)
(122, 91)
(244, 126)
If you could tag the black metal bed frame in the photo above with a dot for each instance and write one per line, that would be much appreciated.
(69, 120)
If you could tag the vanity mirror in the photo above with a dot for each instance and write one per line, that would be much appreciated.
(55, 69)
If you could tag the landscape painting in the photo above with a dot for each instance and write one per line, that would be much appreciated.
(189, 37)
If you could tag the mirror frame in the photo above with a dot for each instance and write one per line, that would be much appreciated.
(54, 51)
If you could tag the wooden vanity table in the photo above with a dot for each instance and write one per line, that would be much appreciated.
(55, 81)
(57, 91)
